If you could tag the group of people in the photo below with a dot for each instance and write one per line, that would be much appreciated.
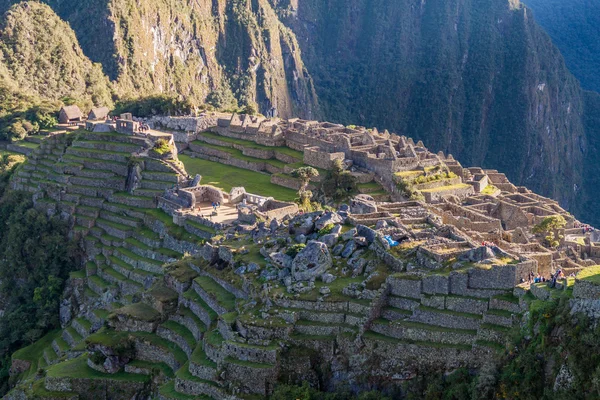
(533, 278)
(216, 205)
(143, 128)
(585, 228)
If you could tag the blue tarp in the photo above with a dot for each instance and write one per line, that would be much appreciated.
(391, 241)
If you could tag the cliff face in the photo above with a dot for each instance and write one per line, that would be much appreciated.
(574, 27)
(196, 49)
(478, 79)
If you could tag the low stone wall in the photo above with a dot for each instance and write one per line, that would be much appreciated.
(326, 306)
(146, 351)
(256, 354)
(251, 380)
(94, 389)
(466, 305)
(405, 287)
(197, 388)
(586, 290)
(288, 182)
(436, 284)
(445, 320)
(405, 333)
(460, 192)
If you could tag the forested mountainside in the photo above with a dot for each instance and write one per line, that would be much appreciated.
(479, 79)
(575, 28)
(196, 49)
(476, 78)
(44, 59)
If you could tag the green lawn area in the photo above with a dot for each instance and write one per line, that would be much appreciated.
(78, 368)
(227, 177)
(9, 153)
(34, 352)
(591, 275)
(29, 145)
(223, 297)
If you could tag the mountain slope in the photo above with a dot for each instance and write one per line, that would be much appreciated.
(43, 57)
(195, 49)
(575, 28)
(478, 79)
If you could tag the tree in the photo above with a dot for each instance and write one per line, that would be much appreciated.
(551, 226)
(305, 174)
(339, 183)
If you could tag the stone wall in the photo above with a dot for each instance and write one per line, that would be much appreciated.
(586, 290)
(320, 159)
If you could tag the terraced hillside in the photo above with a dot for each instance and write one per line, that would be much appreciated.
(84, 177)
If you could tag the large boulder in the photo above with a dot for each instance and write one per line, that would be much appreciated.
(281, 260)
(329, 218)
(363, 204)
(304, 224)
(478, 254)
(314, 260)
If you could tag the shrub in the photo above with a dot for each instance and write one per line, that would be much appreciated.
(295, 249)
(162, 146)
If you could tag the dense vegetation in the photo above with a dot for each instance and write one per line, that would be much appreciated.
(44, 58)
(574, 26)
(35, 260)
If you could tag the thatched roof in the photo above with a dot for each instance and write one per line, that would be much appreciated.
(72, 112)
(98, 113)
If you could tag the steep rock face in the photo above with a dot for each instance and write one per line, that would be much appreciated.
(574, 27)
(478, 79)
(44, 58)
(196, 49)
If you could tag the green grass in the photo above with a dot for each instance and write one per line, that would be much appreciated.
(29, 145)
(590, 275)
(192, 295)
(226, 177)
(34, 351)
(140, 311)
(223, 297)
(181, 331)
(101, 283)
(77, 368)
(201, 227)
(509, 297)
(214, 338)
(494, 327)
(164, 368)
(77, 275)
(199, 357)
(500, 313)
(493, 345)
(168, 391)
